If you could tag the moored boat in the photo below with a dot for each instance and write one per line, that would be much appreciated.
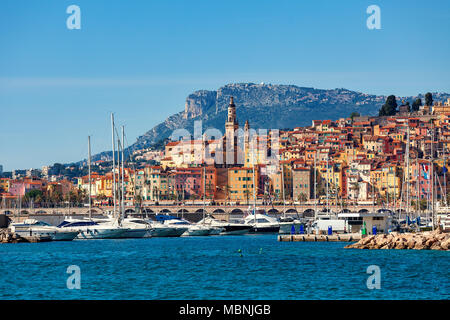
(41, 229)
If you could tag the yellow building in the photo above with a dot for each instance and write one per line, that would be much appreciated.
(441, 108)
(4, 184)
(241, 184)
(156, 184)
(390, 182)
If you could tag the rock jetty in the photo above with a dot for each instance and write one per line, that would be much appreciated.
(6, 236)
(430, 240)
(9, 237)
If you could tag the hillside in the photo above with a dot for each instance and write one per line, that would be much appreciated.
(266, 106)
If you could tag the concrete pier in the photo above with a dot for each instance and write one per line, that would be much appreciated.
(345, 237)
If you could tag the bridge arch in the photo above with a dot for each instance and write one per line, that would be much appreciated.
(183, 211)
(129, 211)
(291, 210)
(41, 212)
(273, 211)
(363, 211)
(309, 213)
(147, 210)
(345, 210)
(24, 212)
(165, 210)
(237, 211)
(220, 210)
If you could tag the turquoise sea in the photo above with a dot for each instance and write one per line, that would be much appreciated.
(212, 268)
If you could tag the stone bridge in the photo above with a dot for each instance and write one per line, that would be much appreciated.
(305, 210)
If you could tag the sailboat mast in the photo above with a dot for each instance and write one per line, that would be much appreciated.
(445, 173)
(407, 170)
(113, 164)
(89, 174)
(328, 210)
(395, 186)
(282, 183)
(119, 189)
(432, 173)
(315, 186)
(254, 184)
(123, 174)
(418, 185)
(204, 191)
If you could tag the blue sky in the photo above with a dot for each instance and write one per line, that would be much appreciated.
(140, 59)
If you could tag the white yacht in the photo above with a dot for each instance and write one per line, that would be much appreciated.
(158, 229)
(190, 228)
(226, 227)
(198, 230)
(136, 227)
(261, 223)
(33, 227)
(180, 225)
(289, 224)
(90, 229)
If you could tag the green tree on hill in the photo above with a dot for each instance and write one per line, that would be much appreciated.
(409, 107)
(354, 114)
(417, 104)
(389, 108)
(428, 99)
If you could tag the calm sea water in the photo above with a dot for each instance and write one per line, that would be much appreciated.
(212, 268)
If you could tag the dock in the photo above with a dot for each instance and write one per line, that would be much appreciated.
(345, 237)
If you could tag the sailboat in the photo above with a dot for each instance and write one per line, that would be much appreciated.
(259, 221)
(33, 227)
(201, 228)
(287, 224)
(137, 228)
(89, 228)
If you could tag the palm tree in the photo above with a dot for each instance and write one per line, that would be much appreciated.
(247, 194)
(354, 187)
(227, 193)
(302, 198)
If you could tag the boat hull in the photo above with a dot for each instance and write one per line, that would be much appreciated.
(197, 232)
(265, 229)
(136, 233)
(167, 232)
(65, 236)
(100, 233)
(52, 235)
(235, 230)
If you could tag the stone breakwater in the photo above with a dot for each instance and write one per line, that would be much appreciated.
(7, 236)
(430, 240)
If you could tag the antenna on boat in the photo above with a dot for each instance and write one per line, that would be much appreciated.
(123, 175)
(113, 164)
(407, 170)
(89, 174)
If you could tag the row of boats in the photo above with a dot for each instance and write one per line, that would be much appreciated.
(164, 226)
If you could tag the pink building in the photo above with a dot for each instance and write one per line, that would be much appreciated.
(21, 187)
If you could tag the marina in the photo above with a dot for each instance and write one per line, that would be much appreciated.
(218, 267)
